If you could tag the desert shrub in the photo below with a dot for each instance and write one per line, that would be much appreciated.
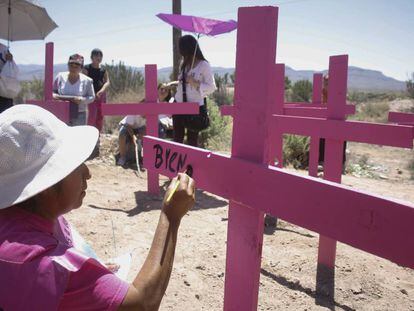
(296, 151)
(302, 91)
(111, 122)
(221, 95)
(124, 79)
(30, 90)
(411, 167)
(218, 135)
(372, 112)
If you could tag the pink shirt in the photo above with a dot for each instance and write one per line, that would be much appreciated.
(40, 269)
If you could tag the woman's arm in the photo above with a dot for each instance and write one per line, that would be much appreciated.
(149, 286)
(207, 83)
(106, 84)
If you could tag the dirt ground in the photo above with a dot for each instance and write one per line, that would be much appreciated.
(362, 281)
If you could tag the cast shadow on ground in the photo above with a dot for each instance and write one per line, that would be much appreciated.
(146, 202)
(325, 299)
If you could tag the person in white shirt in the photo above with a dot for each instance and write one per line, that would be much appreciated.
(75, 87)
(196, 82)
(5, 56)
(130, 127)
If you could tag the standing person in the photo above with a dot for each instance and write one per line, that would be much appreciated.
(101, 82)
(74, 86)
(43, 177)
(5, 56)
(196, 82)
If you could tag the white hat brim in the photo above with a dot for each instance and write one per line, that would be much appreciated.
(76, 146)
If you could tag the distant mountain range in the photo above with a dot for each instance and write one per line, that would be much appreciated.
(358, 78)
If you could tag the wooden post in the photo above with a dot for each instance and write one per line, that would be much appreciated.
(176, 34)
(255, 78)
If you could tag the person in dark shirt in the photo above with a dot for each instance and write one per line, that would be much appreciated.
(100, 78)
(101, 82)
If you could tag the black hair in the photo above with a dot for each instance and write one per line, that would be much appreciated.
(96, 52)
(187, 46)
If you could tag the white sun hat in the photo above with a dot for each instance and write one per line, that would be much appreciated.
(37, 150)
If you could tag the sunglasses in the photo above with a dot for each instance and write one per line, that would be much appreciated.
(74, 65)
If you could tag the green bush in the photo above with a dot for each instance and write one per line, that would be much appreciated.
(30, 90)
(302, 91)
(124, 79)
(221, 95)
(111, 122)
(218, 135)
(296, 151)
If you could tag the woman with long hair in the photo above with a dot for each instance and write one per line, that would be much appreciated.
(196, 82)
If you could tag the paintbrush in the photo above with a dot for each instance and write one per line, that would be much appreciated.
(189, 172)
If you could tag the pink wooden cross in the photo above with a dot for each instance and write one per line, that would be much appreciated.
(367, 222)
(401, 118)
(58, 107)
(150, 108)
(315, 109)
(336, 130)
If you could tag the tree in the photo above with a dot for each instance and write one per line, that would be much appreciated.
(124, 78)
(288, 83)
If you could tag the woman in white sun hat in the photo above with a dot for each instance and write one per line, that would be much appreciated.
(42, 177)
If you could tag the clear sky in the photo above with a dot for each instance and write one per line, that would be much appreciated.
(377, 34)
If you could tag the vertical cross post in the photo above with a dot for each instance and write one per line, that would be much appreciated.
(48, 82)
(257, 27)
(333, 165)
(314, 140)
(151, 109)
(151, 96)
(59, 108)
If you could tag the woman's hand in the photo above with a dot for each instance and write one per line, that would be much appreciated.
(77, 100)
(193, 82)
(99, 94)
(182, 199)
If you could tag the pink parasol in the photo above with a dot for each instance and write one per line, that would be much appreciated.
(198, 25)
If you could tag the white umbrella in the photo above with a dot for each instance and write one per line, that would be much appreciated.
(23, 20)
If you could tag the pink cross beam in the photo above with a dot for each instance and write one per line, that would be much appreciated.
(336, 130)
(59, 108)
(151, 109)
(401, 118)
(370, 223)
(315, 109)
